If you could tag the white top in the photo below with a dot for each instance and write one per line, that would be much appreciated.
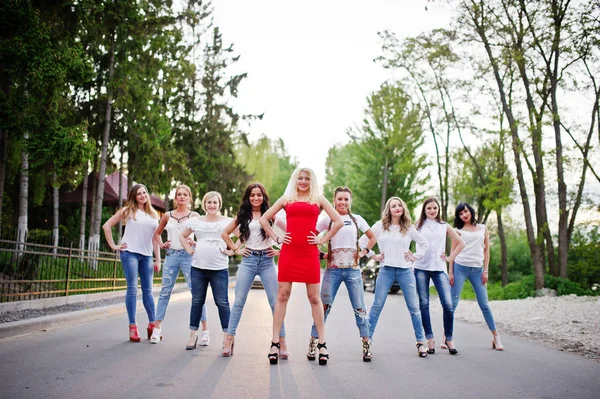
(139, 232)
(256, 240)
(209, 244)
(472, 255)
(435, 233)
(174, 229)
(347, 235)
(393, 244)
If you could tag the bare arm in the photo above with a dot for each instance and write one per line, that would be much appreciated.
(451, 263)
(107, 228)
(157, 258)
(231, 230)
(161, 226)
(457, 245)
(486, 255)
(370, 244)
(270, 214)
(184, 241)
(335, 217)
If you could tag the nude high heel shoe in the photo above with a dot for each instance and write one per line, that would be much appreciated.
(496, 344)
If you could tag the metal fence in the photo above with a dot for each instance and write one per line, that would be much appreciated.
(34, 269)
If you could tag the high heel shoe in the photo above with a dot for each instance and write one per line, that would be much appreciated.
(283, 355)
(323, 357)
(312, 348)
(150, 329)
(443, 344)
(156, 335)
(134, 336)
(452, 351)
(431, 348)
(367, 354)
(190, 346)
(226, 352)
(421, 350)
(496, 344)
(274, 356)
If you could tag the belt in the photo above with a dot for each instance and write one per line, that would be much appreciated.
(257, 252)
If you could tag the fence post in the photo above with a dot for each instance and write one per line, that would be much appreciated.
(69, 269)
(114, 287)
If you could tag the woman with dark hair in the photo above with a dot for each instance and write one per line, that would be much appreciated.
(343, 254)
(431, 267)
(136, 247)
(257, 251)
(394, 234)
(472, 263)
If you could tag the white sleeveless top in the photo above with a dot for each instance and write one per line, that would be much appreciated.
(472, 255)
(435, 234)
(139, 232)
(209, 244)
(174, 229)
(256, 240)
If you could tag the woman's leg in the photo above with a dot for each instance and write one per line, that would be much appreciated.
(482, 297)
(219, 283)
(329, 288)
(318, 314)
(422, 277)
(243, 282)
(384, 282)
(199, 288)
(130, 269)
(146, 271)
(460, 275)
(407, 281)
(268, 276)
(283, 296)
(186, 270)
(170, 272)
(442, 285)
(354, 284)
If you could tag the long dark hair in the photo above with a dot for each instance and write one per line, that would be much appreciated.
(244, 215)
(458, 223)
(423, 216)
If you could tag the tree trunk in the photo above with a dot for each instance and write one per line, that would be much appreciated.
(97, 218)
(121, 190)
(55, 193)
(3, 154)
(84, 192)
(23, 196)
(503, 249)
(384, 186)
(538, 265)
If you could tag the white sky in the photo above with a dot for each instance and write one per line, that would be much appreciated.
(310, 64)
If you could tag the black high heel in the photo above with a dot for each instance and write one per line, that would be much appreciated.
(323, 357)
(431, 351)
(274, 357)
(419, 351)
(452, 351)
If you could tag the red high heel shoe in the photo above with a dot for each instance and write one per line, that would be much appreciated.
(134, 336)
(150, 329)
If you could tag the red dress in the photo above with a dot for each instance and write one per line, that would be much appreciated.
(299, 260)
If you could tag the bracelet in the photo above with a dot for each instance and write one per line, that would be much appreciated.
(277, 240)
(321, 255)
(485, 272)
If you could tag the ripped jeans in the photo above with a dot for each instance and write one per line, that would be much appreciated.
(332, 280)
(406, 278)
(175, 260)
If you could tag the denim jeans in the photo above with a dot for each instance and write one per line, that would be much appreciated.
(332, 280)
(257, 264)
(442, 285)
(461, 273)
(176, 259)
(219, 283)
(406, 278)
(134, 264)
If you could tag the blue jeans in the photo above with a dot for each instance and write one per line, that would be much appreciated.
(256, 264)
(332, 280)
(219, 283)
(176, 259)
(406, 278)
(461, 273)
(442, 285)
(134, 264)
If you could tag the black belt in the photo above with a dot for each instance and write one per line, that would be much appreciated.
(257, 252)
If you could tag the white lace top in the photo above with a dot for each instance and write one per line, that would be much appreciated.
(209, 244)
(256, 240)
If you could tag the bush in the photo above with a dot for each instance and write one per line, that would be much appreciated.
(519, 256)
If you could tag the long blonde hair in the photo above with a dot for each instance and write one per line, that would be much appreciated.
(314, 196)
(209, 195)
(131, 204)
(188, 190)
(386, 216)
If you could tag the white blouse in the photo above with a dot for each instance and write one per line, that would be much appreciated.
(435, 233)
(209, 244)
(139, 232)
(346, 236)
(256, 240)
(174, 229)
(393, 244)
(472, 255)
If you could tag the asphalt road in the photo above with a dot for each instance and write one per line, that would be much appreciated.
(95, 360)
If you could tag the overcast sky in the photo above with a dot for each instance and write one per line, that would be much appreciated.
(310, 64)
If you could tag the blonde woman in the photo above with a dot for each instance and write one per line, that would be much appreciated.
(394, 234)
(136, 247)
(210, 263)
(176, 259)
(299, 259)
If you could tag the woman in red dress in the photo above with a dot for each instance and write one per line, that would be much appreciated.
(299, 258)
